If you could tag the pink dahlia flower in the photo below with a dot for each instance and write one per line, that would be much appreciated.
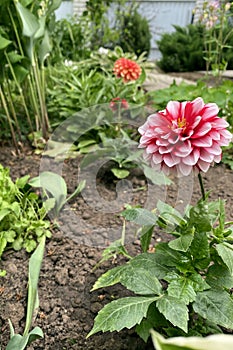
(127, 69)
(184, 136)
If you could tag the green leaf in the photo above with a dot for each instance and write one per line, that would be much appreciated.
(4, 42)
(200, 246)
(34, 273)
(121, 313)
(4, 212)
(145, 237)
(29, 21)
(120, 173)
(182, 289)
(199, 217)
(152, 262)
(175, 311)
(219, 276)
(140, 281)
(225, 250)
(109, 278)
(182, 243)
(154, 319)
(141, 216)
(216, 306)
(22, 181)
(35, 334)
(54, 184)
(211, 342)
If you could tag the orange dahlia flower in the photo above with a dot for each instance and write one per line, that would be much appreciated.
(127, 69)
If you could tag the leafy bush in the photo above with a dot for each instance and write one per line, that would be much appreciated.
(22, 221)
(182, 50)
(134, 33)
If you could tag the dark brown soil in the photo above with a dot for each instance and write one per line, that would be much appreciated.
(67, 307)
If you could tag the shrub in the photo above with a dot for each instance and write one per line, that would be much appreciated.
(131, 40)
(182, 50)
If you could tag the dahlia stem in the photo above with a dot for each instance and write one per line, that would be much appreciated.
(202, 187)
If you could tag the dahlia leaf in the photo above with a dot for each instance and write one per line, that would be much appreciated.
(225, 250)
(175, 311)
(219, 276)
(182, 289)
(215, 306)
(182, 243)
(140, 281)
(153, 263)
(140, 216)
(109, 278)
(121, 313)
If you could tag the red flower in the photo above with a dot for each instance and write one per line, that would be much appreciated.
(127, 69)
(118, 102)
(184, 136)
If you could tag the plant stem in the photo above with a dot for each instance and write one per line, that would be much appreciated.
(202, 187)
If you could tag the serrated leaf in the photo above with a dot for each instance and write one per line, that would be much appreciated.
(140, 216)
(141, 281)
(109, 278)
(225, 250)
(200, 246)
(152, 263)
(121, 313)
(197, 282)
(182, 243)
(219, 276)
(175, 311)
(216, 306)
(211, 342)
(154, 319)
(182, 289)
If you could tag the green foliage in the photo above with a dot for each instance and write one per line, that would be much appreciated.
(178, 281)
(18, 341)
(22, 221)
(182, 50)
(74, 87)
(134, 31)
(54, 190)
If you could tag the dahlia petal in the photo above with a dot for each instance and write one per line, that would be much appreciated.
(173, 108)
(157, 158)
(196, 121)
(203, 166)
(183, 149)
(219, 123)
(202, 130)
(206, 156)
(171, 160)
(218, 158)
(225, 134)
(152, 148)
(205, 141)
(215, 149)
(161, 142)
(209, 111)
(192, 158)
(163, 150)
(214, 135)
(184, 169)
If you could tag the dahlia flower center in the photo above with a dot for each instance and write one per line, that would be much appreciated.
(181, 123)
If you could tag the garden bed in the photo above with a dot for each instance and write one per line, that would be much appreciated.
(67, 307)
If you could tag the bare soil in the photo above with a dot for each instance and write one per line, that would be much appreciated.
(67, 307)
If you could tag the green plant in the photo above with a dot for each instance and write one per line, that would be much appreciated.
(17, 341)
(22, 218)
(55, 189)
(134, 31)
(24, 47)
(215, 17)
(183, 287)
(182, 50)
